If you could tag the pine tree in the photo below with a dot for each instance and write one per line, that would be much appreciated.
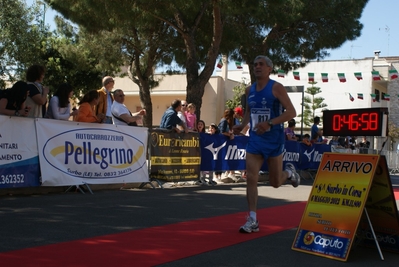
(238, 91)
(312, 104)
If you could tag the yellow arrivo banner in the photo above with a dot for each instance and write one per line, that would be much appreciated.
(335, 205)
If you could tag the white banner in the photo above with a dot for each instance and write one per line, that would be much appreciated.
(73, 153)
(19, 160)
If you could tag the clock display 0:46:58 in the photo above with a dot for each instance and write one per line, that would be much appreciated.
(368, 121)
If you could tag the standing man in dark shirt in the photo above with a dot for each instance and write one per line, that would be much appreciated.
(170, 119)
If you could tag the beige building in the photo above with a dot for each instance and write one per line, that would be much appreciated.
(171, 87)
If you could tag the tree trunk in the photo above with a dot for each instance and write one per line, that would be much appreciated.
(196, 82)
(145, 95)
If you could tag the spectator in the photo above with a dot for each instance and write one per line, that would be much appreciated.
(238, 114)
(306, 140)
(86, 108)
(12, 101)
(105, 99)
(170, 119)
(226, 128)
(213, 129)
(352, 142)
(59, 107)
(201, 180)
(316, 135)
(342, 141)
(182, 114)
(191, 117)
(37, 98)
(289, 131)
(334, 141)
(226, 124)
(121, 114)
(364, 143)
(201, 126)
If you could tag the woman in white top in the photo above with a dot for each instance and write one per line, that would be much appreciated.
(59, 107)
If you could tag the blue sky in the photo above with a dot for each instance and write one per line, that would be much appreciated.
(380, 32)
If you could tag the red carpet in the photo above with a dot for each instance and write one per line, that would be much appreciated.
(156, 245)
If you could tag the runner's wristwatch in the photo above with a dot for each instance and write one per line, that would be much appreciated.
(270, 123)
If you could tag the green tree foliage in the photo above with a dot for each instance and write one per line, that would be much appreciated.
(68, 55)
(192, 35)
(143, 43)
(312, 104)
(238, 91)
(20, 38)
(290, 32)
(78, 58)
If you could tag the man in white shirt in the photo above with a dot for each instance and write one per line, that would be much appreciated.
(121, 114)
(181, 114)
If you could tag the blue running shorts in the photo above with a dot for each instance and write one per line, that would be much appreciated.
(265, 149)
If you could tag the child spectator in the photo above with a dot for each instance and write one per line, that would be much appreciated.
(213, 129)
(191, 118)
(305, 140)
(289, 131)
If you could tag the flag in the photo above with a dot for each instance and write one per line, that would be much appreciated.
(373, 97)
(324, 77)
(360, 96)
(341, 77)
(238, 65)
(358, 76)
(351, 98)
(220, 64)
(281, 73)
(296, 75)
(393, 74)
(311, 76)
(376, 75)
(386, 97)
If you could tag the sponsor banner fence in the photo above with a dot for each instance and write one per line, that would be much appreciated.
(174, 157)
(74, 153)
(219, 153)
(19, 160)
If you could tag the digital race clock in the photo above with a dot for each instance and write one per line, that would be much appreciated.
(355, 122)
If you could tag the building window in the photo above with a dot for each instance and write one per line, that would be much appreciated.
(377, 95)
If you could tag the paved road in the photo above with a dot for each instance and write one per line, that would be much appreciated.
(29, 221)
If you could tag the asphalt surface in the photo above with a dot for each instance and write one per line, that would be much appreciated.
(36, 220)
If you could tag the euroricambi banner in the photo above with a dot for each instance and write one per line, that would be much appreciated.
(74, 153)
(19, 159)
(174, 157)
(335, 205)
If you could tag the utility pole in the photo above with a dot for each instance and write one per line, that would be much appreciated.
(387, 30)
(352, 46)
